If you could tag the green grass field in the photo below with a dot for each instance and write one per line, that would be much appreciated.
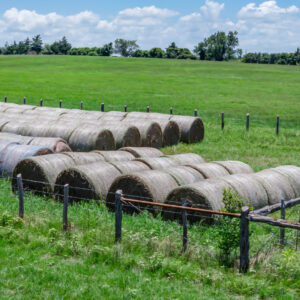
(39, 261)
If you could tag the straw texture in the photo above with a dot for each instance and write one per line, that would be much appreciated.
(143, 151)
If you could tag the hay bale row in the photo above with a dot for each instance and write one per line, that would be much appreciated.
(143, 151)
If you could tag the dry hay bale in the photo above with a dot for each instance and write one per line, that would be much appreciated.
(276, 185)
(235, 167)
(18, 110)
(293, 175)
(186, 159)
(126, 167)
(3, 123)
(91, 138)
(39, 173)
(191, 128)
(210, 170)
(151, 134)
(15, 127)
(90, 181)
(206, 194)
(143, 151)
(184, 174)
(83, 158)
(4, 106)
(112, 156)
(170, 131)
(4, 144)
(59, 130)
(57, 145)
(149, 185)
(83, 114)
(11, 137)
(125, 135)
(113, 116)
(156, 163)
(13, 153)
(248, 188)
(144, 115)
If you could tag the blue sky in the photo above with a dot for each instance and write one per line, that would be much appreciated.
(269, 26)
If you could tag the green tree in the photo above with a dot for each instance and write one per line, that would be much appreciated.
(37, 44)
(106, 50)
(125, 47)
(157, 53)
(200, 50)
(64, 46)
(172, 51)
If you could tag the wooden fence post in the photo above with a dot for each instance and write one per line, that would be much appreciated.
(277, 125)
(196, 113)
(5, 99)
(41, 102)
(60, 103)
(148, 109)
(65, 208)
(21, 196)
(184, 226)
(244, 240)
(247, 121)
(222, 121)
(282, 230)
(81, 105)
(102, 107)
(24, 100)
(125, 108)
(118, 216)
(171, 110)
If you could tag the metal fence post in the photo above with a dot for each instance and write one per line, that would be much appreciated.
(118, 216)
(60, 103)
(81, 105)
(277, 125)
(24, 100)
(102, 107)
(282, 230)
(125, 108)
(244, 240)
(184, 226)
(148, 108)
(21, 196)
(65, 208)
(41, 102)
(196, 113)
(222, 121)
(171, 110)
(5, 99)
(247, 121)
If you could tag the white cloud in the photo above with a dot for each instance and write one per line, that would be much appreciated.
(262, 27)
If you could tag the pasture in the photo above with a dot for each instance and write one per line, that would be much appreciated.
(39, 261)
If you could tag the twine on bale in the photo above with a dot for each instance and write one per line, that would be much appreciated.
(156, 163)
(127, 167)
(81, 158)
(112, 156)
(143, 151)
(186, 158)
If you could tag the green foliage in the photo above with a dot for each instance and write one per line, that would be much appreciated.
(140, 53)
(157, 53)
(36, 44)
(125, 47)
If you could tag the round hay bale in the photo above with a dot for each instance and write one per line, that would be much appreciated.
(55, 144)
(14, 127)
(4, 106)
(4, 145)
(191, 128)
(39, 173)
(143, 115)
(184, 174)
(112, 156)
(2, 124)
(293, 175)
(235, 167)
(13, 153)
(17, 110)
(151, 185)
(250, 189)
(11, 137)
(91, 138)
(206, 194)
(126, 167)
(143, 151)
(86, 182)
(82, 158)
(151, 134)
(113, 116)
(276, 185)
(186, 159)
(156, 163)
(170, 131)
(210, 170)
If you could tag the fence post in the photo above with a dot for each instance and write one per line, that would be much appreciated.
(171, 110)
(21, 196)
(24, 100)
(184, 226)
(282, 230)
(102, 107)
(118, 216)
(41, 102)
(247, 121)
(148, 108)
(60, 103)
(222, 121)
(81, 105)
(125, 108)
(196, 113)
(65, 209)
(244, 240)
(5, 99)
(277, 125)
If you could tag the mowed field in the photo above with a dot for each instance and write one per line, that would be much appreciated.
(39, 261)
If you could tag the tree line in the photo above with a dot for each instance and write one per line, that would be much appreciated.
(218, 47)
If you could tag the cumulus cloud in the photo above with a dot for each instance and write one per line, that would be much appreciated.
(262, 27)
